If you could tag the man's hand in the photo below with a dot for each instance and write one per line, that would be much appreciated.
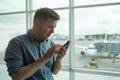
(60, 54)
(62, 51)
(54, 49)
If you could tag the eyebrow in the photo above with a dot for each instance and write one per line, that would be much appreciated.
(51, 26)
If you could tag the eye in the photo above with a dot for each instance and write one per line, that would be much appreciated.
(49, 26)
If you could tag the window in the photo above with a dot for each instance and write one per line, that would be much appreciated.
(10, 26)
(12, 6)
(94, 26)
(97, 37)
(3, 72)
(62, 75)
(61, 32)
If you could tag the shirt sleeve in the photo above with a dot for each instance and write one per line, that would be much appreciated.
(13, 56)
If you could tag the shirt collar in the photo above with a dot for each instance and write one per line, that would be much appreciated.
(32, 37)
(29, 33)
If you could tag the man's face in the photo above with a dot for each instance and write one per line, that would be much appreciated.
(45, 29)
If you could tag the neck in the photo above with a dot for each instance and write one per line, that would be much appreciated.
(37, 38)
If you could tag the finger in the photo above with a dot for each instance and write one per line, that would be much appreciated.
(62, 53)
(67, 46)
(63, 49)
(56, 48)
(58, 45)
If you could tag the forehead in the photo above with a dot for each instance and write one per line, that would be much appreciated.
(51, 22)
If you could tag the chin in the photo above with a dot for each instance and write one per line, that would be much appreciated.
(46, 38)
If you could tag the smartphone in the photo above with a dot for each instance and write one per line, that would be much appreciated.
(67, 43)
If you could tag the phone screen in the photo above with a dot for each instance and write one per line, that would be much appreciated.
(66, 44)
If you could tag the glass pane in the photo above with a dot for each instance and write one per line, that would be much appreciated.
(97, 37)
(84, 76)
(61, 32)
(12, 5)
(62, 75)
(10, 26)
(3, 72)
(88, 2)
(50, 3)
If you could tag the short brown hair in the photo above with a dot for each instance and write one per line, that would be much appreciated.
(45, 13)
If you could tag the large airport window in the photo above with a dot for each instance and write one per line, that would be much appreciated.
(10, 26)
(12, 5)
(97, 37)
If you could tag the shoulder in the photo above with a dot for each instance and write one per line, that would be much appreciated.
(17, 39)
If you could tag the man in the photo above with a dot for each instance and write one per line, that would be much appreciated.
(33, 56)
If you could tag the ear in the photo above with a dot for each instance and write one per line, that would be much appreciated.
(36, 23)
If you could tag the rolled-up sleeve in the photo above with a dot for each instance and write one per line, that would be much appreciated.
(13, 56)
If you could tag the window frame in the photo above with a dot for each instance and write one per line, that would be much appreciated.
(71, 69)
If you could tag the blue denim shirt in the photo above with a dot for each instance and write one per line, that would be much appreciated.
(23, 50)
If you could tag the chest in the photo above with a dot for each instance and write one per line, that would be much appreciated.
(33, 51)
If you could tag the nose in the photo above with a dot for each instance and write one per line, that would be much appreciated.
(52, 30)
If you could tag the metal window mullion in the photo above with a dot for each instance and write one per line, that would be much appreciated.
(71, 36)
(8, 13)
(28, 14)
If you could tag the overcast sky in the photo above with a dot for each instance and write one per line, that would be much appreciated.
(87, 20)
